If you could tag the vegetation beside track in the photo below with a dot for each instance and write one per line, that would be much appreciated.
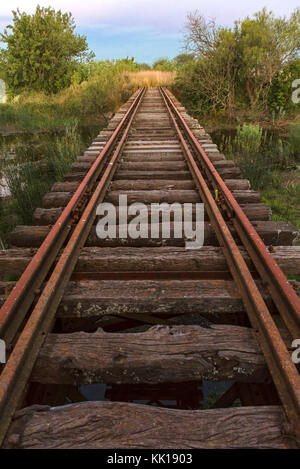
(31, 174)
(91, 91)
(272, 165)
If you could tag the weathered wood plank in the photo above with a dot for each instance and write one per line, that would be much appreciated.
(155, 166)
(154, 196)
(97, 259)
(99, 298)
(66, 186)
(173, 259)
(56, 199)
(97, 425)
(272, 233)
(162, 354)
(241, 184)
(247, 197)
(150, 175)
(75, 176)
(80, 167)
(92, 298)
(159, 184)
(61, 199)
(230, 172)
(47, 216)
(151, 155)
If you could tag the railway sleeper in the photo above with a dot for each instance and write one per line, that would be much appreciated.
(97, 425)
(61, 199)
(272, 233)
(97, 298)
(162, 354)
(167, 259)
(47, 216)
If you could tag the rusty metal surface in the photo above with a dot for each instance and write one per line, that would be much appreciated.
(284, 372)
(17, 370)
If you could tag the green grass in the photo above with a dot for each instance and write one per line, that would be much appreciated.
(89, 102)
(272, 167)
(294, 277)
(63, 152)
(31, 174)
(31, 117)
(283, 196)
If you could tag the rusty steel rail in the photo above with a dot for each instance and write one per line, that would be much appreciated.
(23, 294)
(284, 373)
(282, 292)
(17, 370)
(35, 304)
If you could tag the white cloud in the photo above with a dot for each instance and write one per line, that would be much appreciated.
(133, 27)
(157, 13)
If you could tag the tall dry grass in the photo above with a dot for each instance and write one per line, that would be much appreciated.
(151, 78)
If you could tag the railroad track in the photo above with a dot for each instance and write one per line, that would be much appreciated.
(151, 319)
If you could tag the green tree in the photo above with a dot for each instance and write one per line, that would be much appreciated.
(266, 46)
(280, 95)
(215, 67)
(183, 59)
(164, 64)
(42, 51)
(237, 66)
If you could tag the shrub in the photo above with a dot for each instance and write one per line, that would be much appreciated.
(280, 95)
(259, 156)
(164, 64)
(249, 138)
(63, 152)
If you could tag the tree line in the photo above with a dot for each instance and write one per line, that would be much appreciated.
(251, 65)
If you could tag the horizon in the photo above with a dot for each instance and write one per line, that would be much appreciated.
(146, 31)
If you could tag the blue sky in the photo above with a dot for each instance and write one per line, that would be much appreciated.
(145, 29)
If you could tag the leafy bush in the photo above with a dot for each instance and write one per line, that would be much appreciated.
(249, 138)
(42, 51)
(188, 89)
(280, 95)
(250, 66)
(7, 114)
(164, 64)
(259, 156)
